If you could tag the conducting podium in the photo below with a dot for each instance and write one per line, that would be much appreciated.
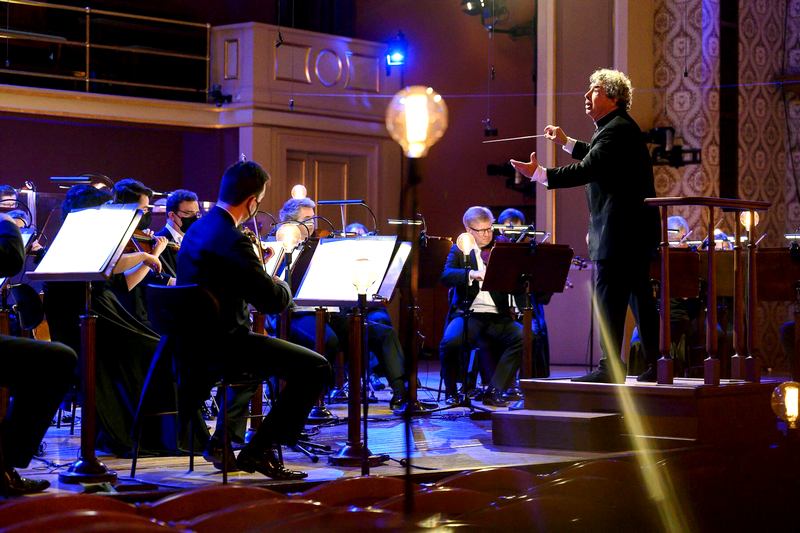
(68, 259)
(527, 268)
(366, 271)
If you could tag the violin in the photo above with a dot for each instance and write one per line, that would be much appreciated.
(486, 252)
(263, 252)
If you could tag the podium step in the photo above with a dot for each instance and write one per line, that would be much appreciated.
(568, 430)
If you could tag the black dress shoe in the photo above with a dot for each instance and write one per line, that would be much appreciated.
(452, 399)
(376, 383)
(598, 376)
(493, 397)
(213, 454)
(19, 486)
(512, 394)
(397, 401)
(649, 376)
(266, 462)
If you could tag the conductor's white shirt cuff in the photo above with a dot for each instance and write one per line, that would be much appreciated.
(569, 146)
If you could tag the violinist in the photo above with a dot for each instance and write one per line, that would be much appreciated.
(124, 346)
(129, 288)
(183, 210)
(382, 338)
(489, 319)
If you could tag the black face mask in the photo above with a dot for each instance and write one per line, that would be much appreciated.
(186, 222)
(145, 221)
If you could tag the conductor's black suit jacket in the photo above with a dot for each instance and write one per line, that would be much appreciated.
(616, 169)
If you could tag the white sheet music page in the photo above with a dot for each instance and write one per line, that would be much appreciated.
(86, 241)
(330, 275)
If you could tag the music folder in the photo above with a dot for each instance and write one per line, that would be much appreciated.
(545, 266)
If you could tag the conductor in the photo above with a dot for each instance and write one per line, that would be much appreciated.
(615, 167)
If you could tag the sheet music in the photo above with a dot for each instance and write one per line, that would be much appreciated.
(87, 241)
(330, 275)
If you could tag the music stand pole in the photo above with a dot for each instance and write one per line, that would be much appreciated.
(526, 370)
(320, 413)
(87, 468)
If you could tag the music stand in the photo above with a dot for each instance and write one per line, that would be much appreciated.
(111, 227)
(527, 269)
(319, 288)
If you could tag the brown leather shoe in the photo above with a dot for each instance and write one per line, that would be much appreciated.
(266, 462)
(19, 486)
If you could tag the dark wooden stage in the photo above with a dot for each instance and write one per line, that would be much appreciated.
(444, 443)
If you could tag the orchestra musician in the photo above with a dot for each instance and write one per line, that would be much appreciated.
(490, 318)
(217, 256)
(35, 394)
(624, 233)
(381, 338)
(183, 210)
(124, 346)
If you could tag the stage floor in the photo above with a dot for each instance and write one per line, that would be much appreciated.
(444, 442)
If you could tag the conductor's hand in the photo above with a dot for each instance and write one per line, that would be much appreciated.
(555, 134)
(526, 169)
(152, 261)
(159, 246)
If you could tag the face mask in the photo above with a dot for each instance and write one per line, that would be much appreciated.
(145, 221)
(186, 222)
(253, 213)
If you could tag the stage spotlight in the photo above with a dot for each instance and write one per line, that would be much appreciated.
(396, 51)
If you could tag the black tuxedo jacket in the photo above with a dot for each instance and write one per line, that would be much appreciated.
(454, 276)
(12, 253)
(169, 257)
(616, 169)
(216, 255)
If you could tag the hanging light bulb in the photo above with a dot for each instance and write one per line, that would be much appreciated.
(785, 402)
(288, 235)
(465, 243)
(299, 191)
(744, 219)
(416, 118)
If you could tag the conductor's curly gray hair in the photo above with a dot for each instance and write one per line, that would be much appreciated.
(615, 84)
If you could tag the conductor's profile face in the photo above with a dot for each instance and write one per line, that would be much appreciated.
(597, 103)
(481, 230)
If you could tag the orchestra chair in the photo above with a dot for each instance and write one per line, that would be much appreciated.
(444, 501)
(345, 519)
(24, 509)
(86, 520)
(179, 348)
(193, 503)
(247, 515)
(359, 491)
(495, 481)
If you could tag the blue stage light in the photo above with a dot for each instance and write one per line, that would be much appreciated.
(396, 51)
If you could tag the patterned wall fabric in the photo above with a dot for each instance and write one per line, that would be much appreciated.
(687, 37)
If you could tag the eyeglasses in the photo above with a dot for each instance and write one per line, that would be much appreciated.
(482, 230)
(189, 213)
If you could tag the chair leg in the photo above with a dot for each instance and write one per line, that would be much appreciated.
(72, 422)
(226, 443)
(59, 414)
(191, 444)
(135, 454)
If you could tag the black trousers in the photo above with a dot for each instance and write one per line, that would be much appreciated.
(492, 328)
(305, 372)
(38, 375)
(618, 283)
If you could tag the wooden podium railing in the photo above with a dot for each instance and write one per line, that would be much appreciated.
(741, 367)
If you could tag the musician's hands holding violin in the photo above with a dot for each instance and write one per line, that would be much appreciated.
(152, 262)
(160, 244)
(476, 275)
